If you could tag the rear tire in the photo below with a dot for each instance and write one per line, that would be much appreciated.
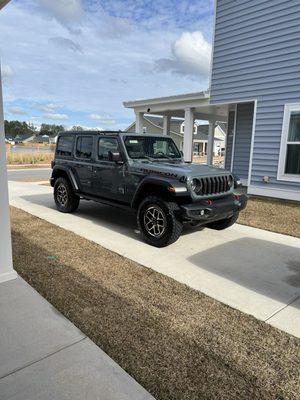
(157, 221)
(65, 199)
(223, 223)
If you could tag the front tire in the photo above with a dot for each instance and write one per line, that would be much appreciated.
(224, 223)
(157, 221)
(65, 199)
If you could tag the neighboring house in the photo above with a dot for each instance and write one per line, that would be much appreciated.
(42, 139)
(24, 138)
(255, 89)
(53, 139)
(154, 124)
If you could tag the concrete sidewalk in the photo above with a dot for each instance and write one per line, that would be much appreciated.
(44, 356)
(249, 269)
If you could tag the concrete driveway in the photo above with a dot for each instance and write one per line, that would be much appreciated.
(255, 271)
(29, 174)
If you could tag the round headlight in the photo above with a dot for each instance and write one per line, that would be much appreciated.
(230, 181)
(196, 186)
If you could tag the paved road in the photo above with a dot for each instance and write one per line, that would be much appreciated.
(249, 269)
(30, 174)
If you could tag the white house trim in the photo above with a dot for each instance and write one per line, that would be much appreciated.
(281, 175)
(233, 138)
(6, 263)
(213, 44)
(252, 143)
(274, 192)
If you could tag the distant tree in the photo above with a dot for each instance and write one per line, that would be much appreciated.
(51, 129)
(76, 128)
(14, 128)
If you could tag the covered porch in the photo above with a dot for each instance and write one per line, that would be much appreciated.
(237, 117)
(190, 107)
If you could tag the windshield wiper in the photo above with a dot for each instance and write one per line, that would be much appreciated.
(144, 156)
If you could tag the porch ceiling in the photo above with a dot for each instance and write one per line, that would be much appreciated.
(175, 106)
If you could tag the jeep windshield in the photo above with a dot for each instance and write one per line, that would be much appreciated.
(139, 147)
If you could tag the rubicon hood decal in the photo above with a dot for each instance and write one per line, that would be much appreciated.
(161, 173)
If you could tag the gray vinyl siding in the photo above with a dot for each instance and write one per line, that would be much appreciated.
(257, 57)
(242, 143)
(229, 142)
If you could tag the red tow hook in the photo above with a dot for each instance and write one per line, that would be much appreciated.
(209, 202)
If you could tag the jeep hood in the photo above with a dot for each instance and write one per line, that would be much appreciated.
(179, 169)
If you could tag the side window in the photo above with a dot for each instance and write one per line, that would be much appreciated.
(65, 146)
(289, 159)
(105, 146)
(84, 147)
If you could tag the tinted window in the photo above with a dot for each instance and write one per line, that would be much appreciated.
(65, 145)
(84, 146)
(105, 146)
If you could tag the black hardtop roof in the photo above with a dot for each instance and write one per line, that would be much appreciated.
(109, 133)
(85, 132)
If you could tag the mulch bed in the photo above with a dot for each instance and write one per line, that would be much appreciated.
(175, 341)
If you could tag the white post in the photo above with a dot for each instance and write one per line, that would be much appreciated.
(139, 121)
(166, 124)
(188, 134)
(6, 266)
(210, 143)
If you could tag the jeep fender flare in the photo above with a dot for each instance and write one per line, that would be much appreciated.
(57, 169)
(170, 186)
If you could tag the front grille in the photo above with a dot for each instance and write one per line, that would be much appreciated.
(215, 184)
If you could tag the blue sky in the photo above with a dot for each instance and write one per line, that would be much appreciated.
(74, 62)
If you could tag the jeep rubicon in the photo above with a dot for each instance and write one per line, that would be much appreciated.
(144, 173)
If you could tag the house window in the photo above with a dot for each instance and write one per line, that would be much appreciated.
(289, 162)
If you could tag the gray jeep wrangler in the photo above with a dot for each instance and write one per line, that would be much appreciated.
(144, 173)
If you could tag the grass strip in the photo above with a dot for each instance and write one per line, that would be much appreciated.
(272, 215)
(176, 342)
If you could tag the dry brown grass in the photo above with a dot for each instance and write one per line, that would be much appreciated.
(273, 215)
(29, 158)
(175, 341)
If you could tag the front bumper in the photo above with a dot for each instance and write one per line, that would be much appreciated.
(214, 209)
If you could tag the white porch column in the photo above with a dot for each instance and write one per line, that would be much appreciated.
(166, 124)
(6, 266)
(139, 121)
(188, 134)
(210, 143)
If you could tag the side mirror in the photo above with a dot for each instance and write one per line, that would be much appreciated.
(115, 156)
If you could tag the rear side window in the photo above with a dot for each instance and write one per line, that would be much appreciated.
(65, 146)
(105, 146)
(84, 147)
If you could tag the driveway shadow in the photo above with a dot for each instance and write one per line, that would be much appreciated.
(116, 219)
(268, 268)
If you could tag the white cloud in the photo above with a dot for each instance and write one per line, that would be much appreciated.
(63, 10)
(66, 43)
(17, 110)
(190, 55)
(49, 108)
(56, 117)
(105, 74)
(104, 120)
